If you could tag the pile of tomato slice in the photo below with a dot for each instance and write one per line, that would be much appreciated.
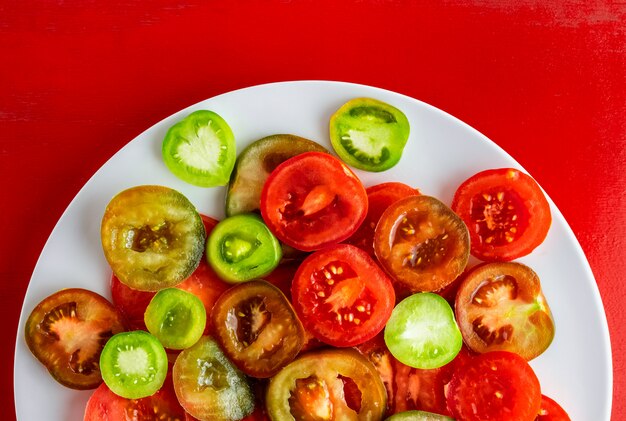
(324, 299)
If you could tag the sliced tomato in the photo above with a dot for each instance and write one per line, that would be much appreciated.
(257, 328)
(500, 306)
(379, 198)
(329, 384)
(313, 200)
(496, 385)
(506, 211)
(104, 405)
(66, 333)
(551, 411)
(422, 244)
(131, 303)
(341, 295)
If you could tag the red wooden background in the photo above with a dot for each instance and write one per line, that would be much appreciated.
(546, 80)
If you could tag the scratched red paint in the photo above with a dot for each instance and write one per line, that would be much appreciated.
(544, 79)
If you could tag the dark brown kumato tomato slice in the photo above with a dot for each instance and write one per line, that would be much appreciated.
(341, 295)
(330, 384)
(421, 243)
(506, 212)
(313, 200)
(152, 237)
(500, 306)
(498, 386)
(67, 332)
(257, 328)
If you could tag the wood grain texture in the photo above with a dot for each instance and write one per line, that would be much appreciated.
(544, 80)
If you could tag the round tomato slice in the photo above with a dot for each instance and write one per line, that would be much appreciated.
(257, 328)
(506, 211)
(67, 331)
(551, 411)
(500, 306)
(341, 295)
(494, 386)
(422, 244)
(379, 198)
(152, 237)
(313, 200)
(331, 384)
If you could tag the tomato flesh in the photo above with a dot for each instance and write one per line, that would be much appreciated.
(500, 306)
(507, 213)
(551, 411)
(342, 297)
(313, 200)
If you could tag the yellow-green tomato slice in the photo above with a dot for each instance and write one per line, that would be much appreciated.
(176, 317)
(208, 386)
(152, 237)
(200, 149)
(418, 416)
(241, 248)
(254, 165)
(422, 331)
(369, 134)
(133, 364)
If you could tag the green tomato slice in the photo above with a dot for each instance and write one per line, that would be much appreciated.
(241, 248)
(152, 237)
(369, 134)
(200, 149)
(176, 317)
(208, 386)
(418, 416)
(254, 165)
(133, 364)
(422, 332)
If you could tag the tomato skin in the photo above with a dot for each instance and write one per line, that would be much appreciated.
(341, 295)
(313, 200)
(379, 198)
(506, 212)
(551, 411)
(500, 307)
(421, 244)
(495, 386)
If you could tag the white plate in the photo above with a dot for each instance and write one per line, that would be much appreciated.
(441, 152)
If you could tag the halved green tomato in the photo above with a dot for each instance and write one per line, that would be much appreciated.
(330, 384)
(152, 237)
(418, 416)
(422, 332)
(209, 386)
(369, 134)
(176, 317)
(254, 165)
(133, 364)
(241, 248)
(66, 333)
(200, 149)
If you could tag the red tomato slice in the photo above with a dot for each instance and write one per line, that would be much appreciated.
(342, 297)
(313, 200)
(379, 198)
(104, 405)
(494, 386)
(506, 212)
(551, 411)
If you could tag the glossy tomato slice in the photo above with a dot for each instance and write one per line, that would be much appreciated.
(506, 212)
(257, 328)
(330, 384)
(500, 306)
(422, 244)
(67, 331)
(551, 411)
(494, 386)
(342, 296)
(379, 198)
(313, 200)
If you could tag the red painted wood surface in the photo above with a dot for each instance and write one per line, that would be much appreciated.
(546, 80)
